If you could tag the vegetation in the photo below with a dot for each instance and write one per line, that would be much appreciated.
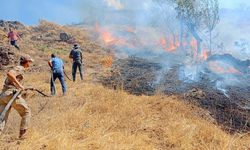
(196, 16)
(94, 117)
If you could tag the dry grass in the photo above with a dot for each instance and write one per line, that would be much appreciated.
(93, 117)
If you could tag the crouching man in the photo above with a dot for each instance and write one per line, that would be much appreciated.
(12, 84)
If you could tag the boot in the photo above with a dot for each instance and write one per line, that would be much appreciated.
(22, 134)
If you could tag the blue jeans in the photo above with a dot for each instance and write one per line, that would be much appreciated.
(60, 76)
(77, 64)
(14, 43)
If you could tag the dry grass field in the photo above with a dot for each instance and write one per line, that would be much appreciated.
(93, 117)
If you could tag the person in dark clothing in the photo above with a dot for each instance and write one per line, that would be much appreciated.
(57, 67)
(76, 55)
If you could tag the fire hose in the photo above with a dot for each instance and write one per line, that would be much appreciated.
(66, 75)
(52, 76)
(16, 94)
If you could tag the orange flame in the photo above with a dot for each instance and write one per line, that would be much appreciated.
(204, 55)
(107, 37)
(218, 67)
(204, 51)
(163, 42)
(110, 40)
(170, 46)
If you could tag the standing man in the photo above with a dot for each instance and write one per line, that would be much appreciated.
(57, 68)
(13, 36)
(76, 55)
(12, 84)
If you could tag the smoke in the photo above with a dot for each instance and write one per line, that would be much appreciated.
(149, 30)
(233, 36)
(115, 3)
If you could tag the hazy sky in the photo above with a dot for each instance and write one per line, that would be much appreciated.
(233, 3)
(67, 11)
(30, 11)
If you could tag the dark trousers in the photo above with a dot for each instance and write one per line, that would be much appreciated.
(60, 76)
(13, 43)
(77, 64)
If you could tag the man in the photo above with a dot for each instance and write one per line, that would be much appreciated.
(76, 55)
(13, 36)
(12, 84)
(57, 67)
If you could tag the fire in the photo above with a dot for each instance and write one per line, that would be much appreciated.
(107, 37)
(204, 52)
(163, 42)
(204, 55)
(223, 68)
(170, 46)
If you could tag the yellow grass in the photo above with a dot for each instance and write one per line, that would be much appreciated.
(93, 117)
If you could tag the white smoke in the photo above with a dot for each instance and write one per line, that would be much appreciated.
(115, 3)
(149, 30)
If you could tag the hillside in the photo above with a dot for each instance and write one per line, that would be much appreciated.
(92, 116)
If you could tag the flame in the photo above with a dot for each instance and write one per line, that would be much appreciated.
(163, 42)
(170, 46)
(222, 68)
(107, 37)
(104, 35)
(204, 55)
(193, 44)
(204, 51)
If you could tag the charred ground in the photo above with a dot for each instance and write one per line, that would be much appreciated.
(153, 119)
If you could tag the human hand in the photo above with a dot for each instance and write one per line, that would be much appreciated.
(21, 87)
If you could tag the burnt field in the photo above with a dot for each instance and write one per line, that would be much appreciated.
(228, 104)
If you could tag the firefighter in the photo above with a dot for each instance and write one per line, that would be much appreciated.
(76, 55)
(12, 84)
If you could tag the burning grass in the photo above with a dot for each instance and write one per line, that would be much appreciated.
(93, 117)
